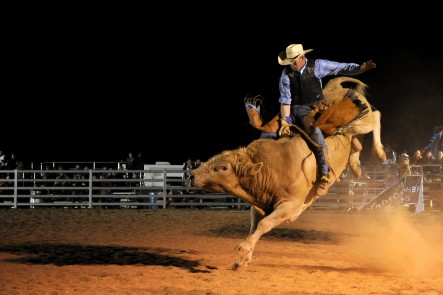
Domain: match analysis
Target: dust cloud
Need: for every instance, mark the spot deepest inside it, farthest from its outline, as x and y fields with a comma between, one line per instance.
x=402, y=243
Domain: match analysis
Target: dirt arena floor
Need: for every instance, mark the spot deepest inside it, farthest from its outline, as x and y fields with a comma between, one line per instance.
x=191, y=251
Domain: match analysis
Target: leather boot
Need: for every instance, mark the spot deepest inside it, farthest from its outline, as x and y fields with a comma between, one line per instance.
x=323, y=185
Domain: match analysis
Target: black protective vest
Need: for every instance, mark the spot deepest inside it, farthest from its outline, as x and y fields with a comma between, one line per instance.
x=305, y=88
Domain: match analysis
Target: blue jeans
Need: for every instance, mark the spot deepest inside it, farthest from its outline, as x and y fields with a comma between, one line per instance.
x=298, y=112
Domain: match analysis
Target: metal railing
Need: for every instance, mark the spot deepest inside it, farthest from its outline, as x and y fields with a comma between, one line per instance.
x=105, y=188
x=166, y=188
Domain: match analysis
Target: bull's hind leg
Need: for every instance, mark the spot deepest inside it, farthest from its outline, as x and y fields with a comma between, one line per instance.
x=354, y=158
x=253, y=111
x=288, y=211
x=254, y=116
x=377, y=146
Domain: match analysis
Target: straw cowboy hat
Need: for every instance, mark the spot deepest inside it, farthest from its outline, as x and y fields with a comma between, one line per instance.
x=288, y=56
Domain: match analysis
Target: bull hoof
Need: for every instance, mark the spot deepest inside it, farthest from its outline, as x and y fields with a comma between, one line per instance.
x=236, y=266
x=242, y=262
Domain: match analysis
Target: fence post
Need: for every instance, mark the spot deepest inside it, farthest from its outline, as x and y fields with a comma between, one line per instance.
x=15, y=188
x=90, y=189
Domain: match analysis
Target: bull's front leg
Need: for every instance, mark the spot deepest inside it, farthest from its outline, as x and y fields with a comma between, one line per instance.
x=284, y=212
x=257, y=215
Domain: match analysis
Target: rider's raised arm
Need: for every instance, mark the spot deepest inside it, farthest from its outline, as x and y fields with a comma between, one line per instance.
x=324, y=67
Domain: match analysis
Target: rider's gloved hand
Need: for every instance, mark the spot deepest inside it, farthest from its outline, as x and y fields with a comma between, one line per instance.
x=285, y=127
x=367, y=65
x=288, y=119
x=285, y=121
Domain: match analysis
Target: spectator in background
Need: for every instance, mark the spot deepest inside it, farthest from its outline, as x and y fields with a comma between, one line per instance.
x=76, y=176
x=61, y=181
x=188, y=166
x=197, y=163
x=45, y=183
x=391, y=171
x=2, y=160
x=391, y=155
x=435, y=141
x=77, y=167
x=139, y=162
x=417, y=158
x=439, y=159
x=11, y=164
x=431, y=171
x=404, y=165
x=429, y=158
x=21, y=175
x=85, y=183
x=130, y=162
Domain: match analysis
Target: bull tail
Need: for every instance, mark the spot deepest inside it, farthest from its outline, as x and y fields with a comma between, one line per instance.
x=340, y=83
x=362, y=107
x=342, y=113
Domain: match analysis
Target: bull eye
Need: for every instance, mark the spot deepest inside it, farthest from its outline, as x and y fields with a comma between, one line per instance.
x=224, y=168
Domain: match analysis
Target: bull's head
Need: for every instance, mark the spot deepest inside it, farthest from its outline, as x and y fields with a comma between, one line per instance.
x=223, y=172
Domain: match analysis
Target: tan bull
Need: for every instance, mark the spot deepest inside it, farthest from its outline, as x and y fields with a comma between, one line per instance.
x=275, y=176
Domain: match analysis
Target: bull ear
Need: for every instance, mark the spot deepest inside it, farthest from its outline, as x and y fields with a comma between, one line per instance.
x=253, y=169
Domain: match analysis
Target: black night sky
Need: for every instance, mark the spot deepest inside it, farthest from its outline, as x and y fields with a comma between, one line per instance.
x=95, y=90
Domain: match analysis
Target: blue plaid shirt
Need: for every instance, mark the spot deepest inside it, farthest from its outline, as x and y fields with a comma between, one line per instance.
x=323, y=68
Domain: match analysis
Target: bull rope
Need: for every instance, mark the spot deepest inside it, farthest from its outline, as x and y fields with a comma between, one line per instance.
x=286, y=131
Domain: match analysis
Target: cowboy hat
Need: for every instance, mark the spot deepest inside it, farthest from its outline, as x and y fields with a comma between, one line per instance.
x=288, y=56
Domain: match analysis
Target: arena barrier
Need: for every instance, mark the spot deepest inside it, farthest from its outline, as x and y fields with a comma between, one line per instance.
x=168, y=188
